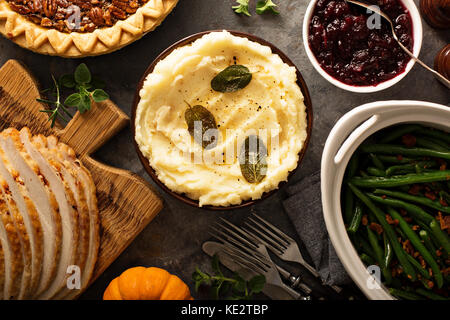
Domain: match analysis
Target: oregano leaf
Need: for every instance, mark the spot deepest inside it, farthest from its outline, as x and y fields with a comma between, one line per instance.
x=99, y=95
x=82, y=74
x=73, y=100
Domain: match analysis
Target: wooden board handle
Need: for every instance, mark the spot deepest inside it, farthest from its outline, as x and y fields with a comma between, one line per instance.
x=86, y=132
x=123, y=192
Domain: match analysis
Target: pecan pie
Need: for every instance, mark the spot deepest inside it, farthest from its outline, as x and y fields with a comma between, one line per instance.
x=78, y=28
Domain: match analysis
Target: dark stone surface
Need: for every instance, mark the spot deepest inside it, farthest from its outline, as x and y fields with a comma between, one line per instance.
x=173, y=240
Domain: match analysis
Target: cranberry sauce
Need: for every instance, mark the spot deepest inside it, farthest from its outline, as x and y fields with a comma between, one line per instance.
x=350, y=51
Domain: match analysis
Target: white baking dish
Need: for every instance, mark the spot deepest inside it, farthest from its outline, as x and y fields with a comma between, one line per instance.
x=348, y=133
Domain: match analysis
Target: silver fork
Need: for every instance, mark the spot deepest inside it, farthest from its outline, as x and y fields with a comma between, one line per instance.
x=252, y=256
x=279, y=243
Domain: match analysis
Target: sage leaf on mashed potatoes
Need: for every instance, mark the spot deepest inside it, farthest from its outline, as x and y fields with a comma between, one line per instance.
x=253, y=159
x=201, y=125
x=232, y=79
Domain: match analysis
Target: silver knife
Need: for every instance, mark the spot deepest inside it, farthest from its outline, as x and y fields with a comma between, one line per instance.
x=274, y=292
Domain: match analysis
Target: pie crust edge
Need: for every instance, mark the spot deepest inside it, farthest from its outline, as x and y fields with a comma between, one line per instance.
x=42, y=40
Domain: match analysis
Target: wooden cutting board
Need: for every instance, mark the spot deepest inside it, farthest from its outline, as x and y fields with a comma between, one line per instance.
x=126, y=202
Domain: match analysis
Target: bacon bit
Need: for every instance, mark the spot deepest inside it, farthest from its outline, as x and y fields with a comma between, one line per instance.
x=364, y=220
x=446, y=271
x=408, y=219
x=407, y=246
x=416, y=254
x=438, y=252
x=415, y=189
x=403, y=212
x=376, y=227
x=444, y=221
x=430, y=284
x=443, y=203
x=415, y=227
x=409, y=140
x=430, y=272
x=430, y=195
x=422, y=262
x=383, y=196
x=399, y=270
x=443, y=167
x=391, y=221
x=399, y=157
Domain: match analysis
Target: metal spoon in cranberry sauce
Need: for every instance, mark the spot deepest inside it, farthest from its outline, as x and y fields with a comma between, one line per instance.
x=350, y=51
x=440, y=77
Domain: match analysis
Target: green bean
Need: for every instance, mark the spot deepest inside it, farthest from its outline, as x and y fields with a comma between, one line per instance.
x=356, y=220
x=376, y=172
x=428, y=244
x=420, y=216
x=388, y=253
x=376, y=162
x=410, y=167
x=430, y=294
x=440, y=235
x=417, y=199
x=399, y=131
x=415, y=241
x=433, y=238
x=394, y=159
x=404, y=294
x=348, y=205
x=414, y=210
x=365, y=246
x=363, y=174
x=396, y=150
x=400, y=169
x=418, y=168
x=418, y=266
x=441, y=135
x=379, y=255
x=398, y=250
x=400, y=232
x=429, y=144
x=395, y=181
x=445, y=196
x=367, y=259
x=353, y=165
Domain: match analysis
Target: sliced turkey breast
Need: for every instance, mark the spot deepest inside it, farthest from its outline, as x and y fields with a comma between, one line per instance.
x=26, y=219
x=13, y=253
x=44, y=201
x=2, y=272
x=67, y=210
x=69, y=175
x=24, y=240
x=68, y=155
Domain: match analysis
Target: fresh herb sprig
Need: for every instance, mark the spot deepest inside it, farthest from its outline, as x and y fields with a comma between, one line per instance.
x=233, y=288
x=88, y=89
x=242, y=7
x=262, y=7
x=59, y=110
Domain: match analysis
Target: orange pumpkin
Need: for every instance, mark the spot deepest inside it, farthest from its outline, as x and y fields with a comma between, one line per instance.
x=141, y=283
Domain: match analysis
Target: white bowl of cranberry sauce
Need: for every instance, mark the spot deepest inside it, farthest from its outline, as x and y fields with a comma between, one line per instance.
x=349, y=49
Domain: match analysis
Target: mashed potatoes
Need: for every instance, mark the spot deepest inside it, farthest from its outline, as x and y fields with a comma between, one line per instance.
x=270, y=106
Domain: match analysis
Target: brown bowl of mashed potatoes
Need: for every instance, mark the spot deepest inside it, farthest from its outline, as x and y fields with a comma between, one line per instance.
x=221, y=119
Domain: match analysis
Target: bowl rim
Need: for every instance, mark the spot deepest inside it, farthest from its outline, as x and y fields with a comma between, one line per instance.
x=417, y=36
x=186, y=41
x=354, y=127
